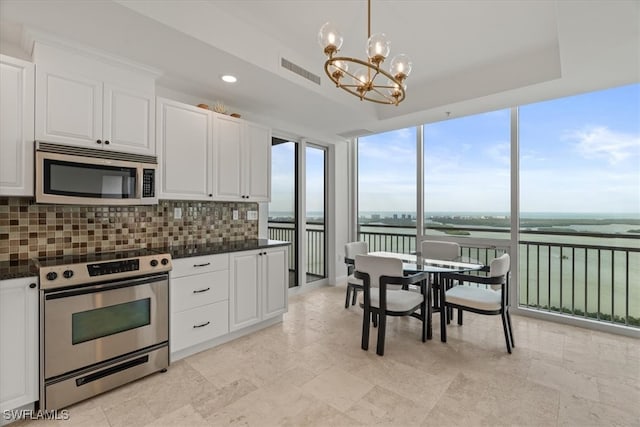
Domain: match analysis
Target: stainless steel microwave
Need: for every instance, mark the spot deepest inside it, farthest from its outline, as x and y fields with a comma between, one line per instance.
x=85, y=176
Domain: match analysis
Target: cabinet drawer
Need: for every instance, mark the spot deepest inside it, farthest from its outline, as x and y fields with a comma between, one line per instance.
x=200, y=324
x=199, y=289
x=199, y=264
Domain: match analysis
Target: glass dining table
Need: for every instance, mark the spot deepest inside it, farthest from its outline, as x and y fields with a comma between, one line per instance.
x=414, y=263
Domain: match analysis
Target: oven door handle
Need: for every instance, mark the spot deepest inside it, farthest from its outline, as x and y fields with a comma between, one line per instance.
x=202, y=325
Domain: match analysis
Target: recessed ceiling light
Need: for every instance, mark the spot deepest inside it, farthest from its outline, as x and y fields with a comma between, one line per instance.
x=229, y=78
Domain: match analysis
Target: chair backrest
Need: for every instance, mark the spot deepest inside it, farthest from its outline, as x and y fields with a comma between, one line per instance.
x=377, y=266
x=499, y=267
x=355, y=248
x=434, y=249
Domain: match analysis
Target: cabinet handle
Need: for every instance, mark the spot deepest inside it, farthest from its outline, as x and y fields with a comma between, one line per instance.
x=199, y=291
x=202, y=265
x=107, y=142
x=33, y=285
x=99, y=141
x=202, y=325
x=210, y=195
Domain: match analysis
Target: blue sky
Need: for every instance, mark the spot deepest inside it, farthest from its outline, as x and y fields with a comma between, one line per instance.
x=578, y=154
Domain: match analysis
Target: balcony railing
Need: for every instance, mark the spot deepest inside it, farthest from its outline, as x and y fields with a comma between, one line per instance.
x=592, y=281
x=599, y=282
x=315, y=263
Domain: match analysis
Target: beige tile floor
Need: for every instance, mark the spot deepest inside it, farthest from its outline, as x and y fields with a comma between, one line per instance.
x=310, y=370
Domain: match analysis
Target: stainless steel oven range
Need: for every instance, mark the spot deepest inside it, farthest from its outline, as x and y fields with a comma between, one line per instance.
x=104, y=322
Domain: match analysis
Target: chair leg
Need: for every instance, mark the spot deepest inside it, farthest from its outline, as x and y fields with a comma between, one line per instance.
x=423, y=313
x=429, y=315
x=355, y=296
x=366, y=319
x=506, y=331
x=374, y=319
x=346, y=301
x=443, y=317
x=460, y=316
x=513, y=343
x=382, y=326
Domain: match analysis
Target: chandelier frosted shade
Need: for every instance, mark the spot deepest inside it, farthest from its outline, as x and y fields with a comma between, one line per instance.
x=370, y=81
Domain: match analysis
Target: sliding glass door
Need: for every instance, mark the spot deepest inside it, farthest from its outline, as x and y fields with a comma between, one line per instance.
x=315, y=196
x=283, y=212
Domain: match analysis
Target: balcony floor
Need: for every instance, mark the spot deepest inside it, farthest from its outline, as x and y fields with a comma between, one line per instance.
x=310, y=370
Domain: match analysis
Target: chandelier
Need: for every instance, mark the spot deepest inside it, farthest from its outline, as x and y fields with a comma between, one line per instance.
x=368, y=80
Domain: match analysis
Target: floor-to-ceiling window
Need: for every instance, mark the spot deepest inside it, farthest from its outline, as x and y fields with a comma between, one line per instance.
x=316, y=199
x=580, y=205
x=577, y=205
x=467, y=178
x=387, y=190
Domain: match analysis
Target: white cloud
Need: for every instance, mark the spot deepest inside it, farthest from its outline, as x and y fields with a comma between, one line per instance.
x=601, y=142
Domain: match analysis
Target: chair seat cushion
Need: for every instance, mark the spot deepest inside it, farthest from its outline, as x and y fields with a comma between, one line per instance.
x=474, y=297
x=399, y=301
x=352, y=280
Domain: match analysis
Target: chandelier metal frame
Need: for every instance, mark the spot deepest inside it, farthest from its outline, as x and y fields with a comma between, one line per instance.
x=392, y=92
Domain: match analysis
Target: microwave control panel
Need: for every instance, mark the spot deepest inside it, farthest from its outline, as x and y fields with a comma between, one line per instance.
x=148, y=183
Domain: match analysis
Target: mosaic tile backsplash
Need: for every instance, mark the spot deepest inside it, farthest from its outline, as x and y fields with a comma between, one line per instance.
x=29, y=230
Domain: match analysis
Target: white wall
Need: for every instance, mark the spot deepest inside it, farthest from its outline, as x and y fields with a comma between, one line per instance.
x=341, y=204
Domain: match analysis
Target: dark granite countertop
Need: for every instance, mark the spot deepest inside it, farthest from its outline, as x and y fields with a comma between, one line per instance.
x=17, y=269
x=220, y=248
x=28, y=268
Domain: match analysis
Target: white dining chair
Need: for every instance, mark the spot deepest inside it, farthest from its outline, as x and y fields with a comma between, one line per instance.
x=383, y=295
x=480, y=294
x=353, y=284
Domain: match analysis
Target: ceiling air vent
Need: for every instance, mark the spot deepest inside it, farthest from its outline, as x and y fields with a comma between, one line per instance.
x=355, y=133
x=285, y=63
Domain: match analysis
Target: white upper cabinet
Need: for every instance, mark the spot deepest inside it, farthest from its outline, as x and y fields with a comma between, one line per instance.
x=209, y=156
x=228, y=157
x=16, y=127
x=128, y=121
x=83, y=101
x=184, y=151
x=242, y=160
x=258, y=141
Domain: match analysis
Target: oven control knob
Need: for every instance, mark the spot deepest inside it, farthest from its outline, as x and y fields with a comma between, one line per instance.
x=68, y=274
x=154, y=262
x=52, y=275
x=164, y=261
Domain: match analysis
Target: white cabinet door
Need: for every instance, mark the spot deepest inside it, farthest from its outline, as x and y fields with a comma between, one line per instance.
x=228, y=159
x=258, y=164
x=16, y=127
x=128, y=120
x=244, y=298
x=275, y=285
x=184, y=134
x=68, y=108
x=19, y=343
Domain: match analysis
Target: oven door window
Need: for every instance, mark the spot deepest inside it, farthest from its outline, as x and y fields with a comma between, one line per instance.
x=87, y=180
x=101, y=322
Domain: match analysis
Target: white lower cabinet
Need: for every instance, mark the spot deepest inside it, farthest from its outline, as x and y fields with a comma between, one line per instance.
x=259, y=286
x=18, y=342
x=216, y=298
x=199, y=300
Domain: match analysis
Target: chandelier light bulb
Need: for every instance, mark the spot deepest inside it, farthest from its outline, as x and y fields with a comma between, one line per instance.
x=330, y=39
x=401, y=66
x=378, y=48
